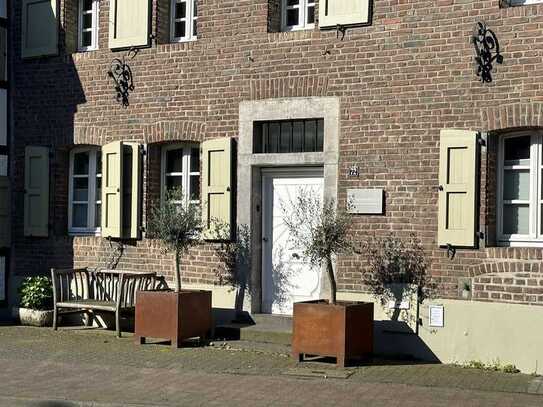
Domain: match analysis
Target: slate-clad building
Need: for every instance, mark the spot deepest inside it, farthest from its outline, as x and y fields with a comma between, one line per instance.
x=242, y=103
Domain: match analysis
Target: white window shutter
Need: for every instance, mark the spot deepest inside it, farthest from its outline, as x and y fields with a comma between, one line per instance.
x=36, y=202
x=216, y=184
x=129, y=23
x=344, y=12
x=457, y=188
x=112, y=198
x=131, y=186
x=39, y=28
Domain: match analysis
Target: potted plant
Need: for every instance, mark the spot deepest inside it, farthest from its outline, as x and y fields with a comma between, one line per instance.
x=343, y=330
x=36, y=302
x=179, y=314
x=398, y=277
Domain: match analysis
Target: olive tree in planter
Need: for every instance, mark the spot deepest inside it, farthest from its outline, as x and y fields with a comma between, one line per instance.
x=397, y=276
x=326, y=327
x=36, y=302
x=178, y=314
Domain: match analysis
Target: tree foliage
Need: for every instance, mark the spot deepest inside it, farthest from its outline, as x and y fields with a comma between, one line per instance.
x=177, y=224
x=319, y=229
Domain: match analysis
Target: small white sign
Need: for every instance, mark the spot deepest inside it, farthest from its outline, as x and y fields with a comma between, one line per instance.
x=398, y=304
x=436, y=316
x=365, y=201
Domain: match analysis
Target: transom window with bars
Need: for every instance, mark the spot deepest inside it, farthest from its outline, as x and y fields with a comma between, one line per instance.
x=297, y=14
x=88, y=25
x=289, y=136
x=85, y=189
x=184, y=17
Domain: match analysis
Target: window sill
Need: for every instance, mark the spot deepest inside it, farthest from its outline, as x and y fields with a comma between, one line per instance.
x=521, y=243
x=84, y=233
x=292, y=35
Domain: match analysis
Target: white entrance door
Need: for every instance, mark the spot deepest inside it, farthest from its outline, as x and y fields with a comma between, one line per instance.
x=286, y=276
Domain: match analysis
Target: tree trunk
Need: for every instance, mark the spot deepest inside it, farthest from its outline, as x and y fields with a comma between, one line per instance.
x=332, y=279
x=177, y=271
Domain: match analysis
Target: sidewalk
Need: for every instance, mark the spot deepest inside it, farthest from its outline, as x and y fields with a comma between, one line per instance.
x=91, y=366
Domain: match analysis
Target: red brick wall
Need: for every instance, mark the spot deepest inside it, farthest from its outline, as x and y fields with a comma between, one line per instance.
x=399, y=82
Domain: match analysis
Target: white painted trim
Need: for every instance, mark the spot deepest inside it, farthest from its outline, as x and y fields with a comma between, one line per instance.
x=189, y=20
x=94, y=28
x=535, y=236
x=91, y=198
x=186, y=173
x=302, y=7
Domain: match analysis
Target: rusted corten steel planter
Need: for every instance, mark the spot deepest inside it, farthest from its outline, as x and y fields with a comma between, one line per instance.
x=343, y=331
x=174, y=316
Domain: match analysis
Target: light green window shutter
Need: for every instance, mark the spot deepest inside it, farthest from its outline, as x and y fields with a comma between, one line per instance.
x=129, y=23
x=36, y=197
x=112, y=198
x=131, y=186
x=5, y=224
x=216, y=183
x=343, y=12
x=457, y=193
x=39, y=28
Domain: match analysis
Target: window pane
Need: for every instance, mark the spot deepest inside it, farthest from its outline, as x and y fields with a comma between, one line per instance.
x=517, y=150
x=292, y=2
x=286, y=128
x=297, y=136
x=81, y=163
x=274, y=132
x=174, y=182
x=86, y=40
x=310, y=135
x=320, y=135
x=98, y=216
x=3, y=54
x=311, y=15
x=87, y=5
x=98, y=188
x=81, y=189
x=516, y=219
x=293, y=17
x=98, y=162
x=195, y=8
x=79, y=216
x=194, y=160
x=195, y=187
x=181, y=10
x=194, y=28
x=87, y=21
x=180, y=29
x=174, y=160
x=516, y=185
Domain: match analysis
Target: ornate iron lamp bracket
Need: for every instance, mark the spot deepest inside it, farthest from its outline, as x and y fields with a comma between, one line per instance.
x=487, y=50
x=122, y=76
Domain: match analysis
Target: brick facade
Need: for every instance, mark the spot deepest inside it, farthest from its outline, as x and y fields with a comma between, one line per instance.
x=399, y=82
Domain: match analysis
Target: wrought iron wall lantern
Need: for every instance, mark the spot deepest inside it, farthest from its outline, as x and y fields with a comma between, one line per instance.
x=487, y=51
x=122, y=76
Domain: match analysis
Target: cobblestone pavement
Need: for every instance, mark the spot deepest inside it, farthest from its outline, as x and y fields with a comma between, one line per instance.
x=41, y=367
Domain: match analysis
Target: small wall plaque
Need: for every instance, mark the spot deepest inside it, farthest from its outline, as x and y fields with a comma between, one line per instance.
x=365, y=201
x=436, y=316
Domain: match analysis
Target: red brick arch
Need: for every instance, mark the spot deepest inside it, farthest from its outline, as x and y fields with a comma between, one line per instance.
x=512, y=116
x=163, y=131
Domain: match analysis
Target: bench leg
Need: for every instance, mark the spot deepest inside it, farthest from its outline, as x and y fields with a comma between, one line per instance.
x=118, y=323
x=55, y=314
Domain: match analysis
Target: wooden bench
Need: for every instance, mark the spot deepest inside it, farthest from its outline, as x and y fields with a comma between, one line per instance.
x=88, y=290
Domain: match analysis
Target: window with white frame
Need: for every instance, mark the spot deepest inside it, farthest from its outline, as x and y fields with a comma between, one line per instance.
x=181, y=170
x=520, y=2
x=184, y=17
x=297, y=14
x=520, y=189
x=88, y=25
x=85, y=191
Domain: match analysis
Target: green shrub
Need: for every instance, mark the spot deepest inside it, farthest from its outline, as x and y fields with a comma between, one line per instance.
x=36, y=293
